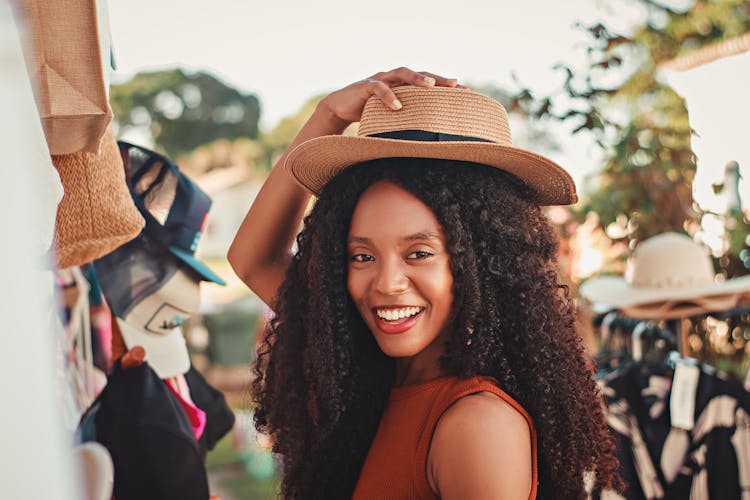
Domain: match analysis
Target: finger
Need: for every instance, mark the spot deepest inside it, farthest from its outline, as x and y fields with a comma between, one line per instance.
x=133, y=358
x=405, y=75
x=442, y=81
x=383, y=92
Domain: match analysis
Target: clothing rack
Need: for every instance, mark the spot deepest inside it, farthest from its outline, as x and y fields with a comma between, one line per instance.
x=730, y=313
x=678, y=328
x=624, y=339
x=669, y=416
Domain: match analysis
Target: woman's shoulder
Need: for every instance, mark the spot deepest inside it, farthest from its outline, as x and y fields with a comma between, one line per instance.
x=483, y=413
x=482, y=443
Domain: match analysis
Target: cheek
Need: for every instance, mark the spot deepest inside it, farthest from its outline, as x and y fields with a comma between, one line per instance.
x=439, y=285
x=355, y=284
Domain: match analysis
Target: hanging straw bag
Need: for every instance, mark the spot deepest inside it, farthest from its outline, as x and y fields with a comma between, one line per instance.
x=96, y=214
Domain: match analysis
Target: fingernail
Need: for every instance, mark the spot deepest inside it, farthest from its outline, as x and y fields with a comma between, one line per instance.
x=428, y=79
x=397, y=104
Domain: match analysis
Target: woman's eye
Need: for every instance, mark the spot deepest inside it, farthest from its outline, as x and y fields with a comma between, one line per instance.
x=419, y=254
x=362, y=257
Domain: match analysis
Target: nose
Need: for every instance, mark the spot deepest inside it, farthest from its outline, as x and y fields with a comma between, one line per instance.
x=391, y=278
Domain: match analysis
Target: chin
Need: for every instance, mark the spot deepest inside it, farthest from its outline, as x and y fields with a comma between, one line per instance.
x=397, y=347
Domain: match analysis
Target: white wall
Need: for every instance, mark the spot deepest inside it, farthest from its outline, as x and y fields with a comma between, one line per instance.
x=35, y=452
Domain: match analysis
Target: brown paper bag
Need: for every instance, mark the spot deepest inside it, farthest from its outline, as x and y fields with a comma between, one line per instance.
x=64, y=59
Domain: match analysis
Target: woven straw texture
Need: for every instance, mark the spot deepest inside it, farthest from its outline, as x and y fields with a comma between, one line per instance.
x=438, y=109
x=96, y=214
x=457, y=111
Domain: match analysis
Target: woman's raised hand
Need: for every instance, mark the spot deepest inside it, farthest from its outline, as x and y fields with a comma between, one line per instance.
x=261, y=251
x=346, y=104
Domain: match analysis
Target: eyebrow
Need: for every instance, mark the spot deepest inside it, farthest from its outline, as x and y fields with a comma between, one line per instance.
x=411, y=237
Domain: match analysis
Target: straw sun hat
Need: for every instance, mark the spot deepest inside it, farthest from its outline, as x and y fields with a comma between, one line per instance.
x=667, y=274
x=437, y=122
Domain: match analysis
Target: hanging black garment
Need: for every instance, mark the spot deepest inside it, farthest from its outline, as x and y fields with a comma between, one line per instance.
x=141, y=423
x=711, y=461
x=219, y=417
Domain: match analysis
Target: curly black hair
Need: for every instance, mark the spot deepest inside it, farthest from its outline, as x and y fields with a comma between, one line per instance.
x=322, y=381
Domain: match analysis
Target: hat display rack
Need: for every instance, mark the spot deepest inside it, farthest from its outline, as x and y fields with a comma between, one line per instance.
x=152, y=286
x=100, y=214
x=669, y=280
x=665, y=402
x=623, y=338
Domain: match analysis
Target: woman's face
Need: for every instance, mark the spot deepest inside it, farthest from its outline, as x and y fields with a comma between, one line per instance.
x=399, y=272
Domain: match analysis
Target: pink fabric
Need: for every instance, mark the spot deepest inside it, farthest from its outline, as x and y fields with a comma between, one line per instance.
x=197, y=417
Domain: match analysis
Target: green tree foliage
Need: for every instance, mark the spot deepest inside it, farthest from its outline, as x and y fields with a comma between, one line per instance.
x=282, y=135
x=640, y=123
x=527, y=133
x=225, y=153
x=183, y=111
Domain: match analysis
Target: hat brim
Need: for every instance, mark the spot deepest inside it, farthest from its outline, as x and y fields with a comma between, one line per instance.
x=166, y=353
x=671, y=309
x=199, y=267
x=315, y=162
x=615, y=292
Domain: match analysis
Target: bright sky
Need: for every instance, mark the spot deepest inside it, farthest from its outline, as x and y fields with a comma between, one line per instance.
x=289, y=50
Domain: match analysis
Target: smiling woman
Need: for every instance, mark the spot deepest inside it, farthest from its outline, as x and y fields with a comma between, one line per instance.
x=422, y=346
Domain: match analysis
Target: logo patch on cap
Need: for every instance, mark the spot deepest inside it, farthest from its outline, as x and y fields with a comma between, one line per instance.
x=198, y=235
x=166, y=319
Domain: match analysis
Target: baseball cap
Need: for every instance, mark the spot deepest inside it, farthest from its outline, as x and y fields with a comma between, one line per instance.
x=152, y=294
x=175, y=209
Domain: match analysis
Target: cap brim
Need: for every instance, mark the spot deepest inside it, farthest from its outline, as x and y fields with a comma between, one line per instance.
x=196, y=265
x=315, y=162
x=167, y=353
x=615, y=292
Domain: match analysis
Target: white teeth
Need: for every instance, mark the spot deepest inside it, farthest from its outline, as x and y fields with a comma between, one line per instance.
x=394, y=314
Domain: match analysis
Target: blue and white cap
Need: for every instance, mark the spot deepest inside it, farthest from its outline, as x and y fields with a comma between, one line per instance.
x=175, y=209
x=152, y=295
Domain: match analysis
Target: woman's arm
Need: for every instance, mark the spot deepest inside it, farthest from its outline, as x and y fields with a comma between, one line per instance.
x=481, y=448
x=261, y=250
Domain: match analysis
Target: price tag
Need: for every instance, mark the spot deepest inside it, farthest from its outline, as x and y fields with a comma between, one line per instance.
x=682, y=400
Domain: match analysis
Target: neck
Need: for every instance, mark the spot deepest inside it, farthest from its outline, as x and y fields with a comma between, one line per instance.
x=423, y=366
x=409, y=371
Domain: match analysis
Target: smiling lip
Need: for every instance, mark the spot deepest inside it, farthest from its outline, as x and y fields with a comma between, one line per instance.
x=396, y=328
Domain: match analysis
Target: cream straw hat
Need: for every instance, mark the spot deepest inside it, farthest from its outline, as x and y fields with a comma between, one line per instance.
x=666, y=271
x=436, y=122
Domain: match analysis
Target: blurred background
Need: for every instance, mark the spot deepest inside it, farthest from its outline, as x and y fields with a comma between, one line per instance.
x=602, y=87
x=643, y=101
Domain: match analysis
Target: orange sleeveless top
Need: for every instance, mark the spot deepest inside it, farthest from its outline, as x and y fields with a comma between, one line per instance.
x=395, y=467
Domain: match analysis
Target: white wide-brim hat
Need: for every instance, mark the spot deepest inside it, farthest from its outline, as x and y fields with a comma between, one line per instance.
x=667, y=267
x=435, y=122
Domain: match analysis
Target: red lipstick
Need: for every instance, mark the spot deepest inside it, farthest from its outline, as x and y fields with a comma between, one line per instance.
x=396, y=328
